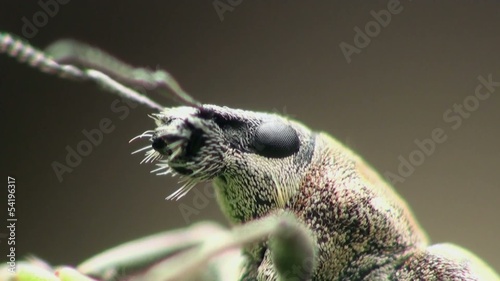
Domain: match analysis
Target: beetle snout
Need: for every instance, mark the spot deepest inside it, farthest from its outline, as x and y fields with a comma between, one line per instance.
x=160, y=145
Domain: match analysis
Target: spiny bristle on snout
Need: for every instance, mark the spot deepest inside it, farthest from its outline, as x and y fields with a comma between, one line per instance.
x=170, y=146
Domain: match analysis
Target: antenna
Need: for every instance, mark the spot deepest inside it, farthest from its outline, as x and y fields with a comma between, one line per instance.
x=71, y=59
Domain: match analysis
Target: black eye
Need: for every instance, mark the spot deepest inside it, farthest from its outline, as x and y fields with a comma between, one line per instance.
x=275, y=139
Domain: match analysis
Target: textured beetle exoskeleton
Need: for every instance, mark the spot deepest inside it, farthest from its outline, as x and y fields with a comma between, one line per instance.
x=304, y=206
x=263, y=163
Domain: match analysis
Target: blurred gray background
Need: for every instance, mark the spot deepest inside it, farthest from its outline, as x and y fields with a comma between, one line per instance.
x=279, y=56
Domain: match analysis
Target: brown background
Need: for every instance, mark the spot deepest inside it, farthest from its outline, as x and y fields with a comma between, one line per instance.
x=282, y=56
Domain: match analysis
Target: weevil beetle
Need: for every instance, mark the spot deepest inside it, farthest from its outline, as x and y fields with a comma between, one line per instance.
x=304, y=206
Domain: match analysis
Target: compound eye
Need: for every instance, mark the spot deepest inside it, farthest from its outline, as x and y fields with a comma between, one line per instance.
x=275, y=139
